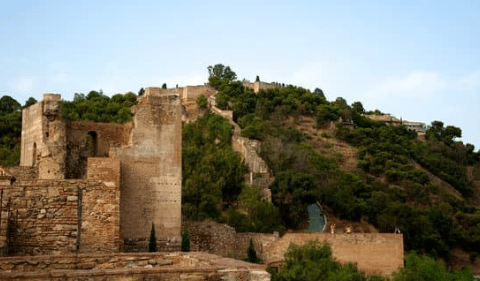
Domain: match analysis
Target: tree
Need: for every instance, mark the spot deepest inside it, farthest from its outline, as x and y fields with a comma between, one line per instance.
x=185, y=241
x=29, y=102
x=141, y=91
x=202, y=102
x=164, y=85
x=314, y=261
x=220, y=75
x=257, y=79
x=426, y=268
x=9, y=104
x=358, y=107
x=152, y=245
x=319, y=92
x=251, y=253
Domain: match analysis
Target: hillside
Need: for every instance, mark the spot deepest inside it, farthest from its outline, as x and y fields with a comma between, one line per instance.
x=364, y=173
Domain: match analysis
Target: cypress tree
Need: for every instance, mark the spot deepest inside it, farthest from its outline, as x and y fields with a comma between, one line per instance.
x=152, y=245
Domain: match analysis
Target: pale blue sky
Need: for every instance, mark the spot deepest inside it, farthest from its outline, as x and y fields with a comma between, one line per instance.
x=419, y=60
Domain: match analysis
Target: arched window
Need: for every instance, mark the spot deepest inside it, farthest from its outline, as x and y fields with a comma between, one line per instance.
x=91, y=144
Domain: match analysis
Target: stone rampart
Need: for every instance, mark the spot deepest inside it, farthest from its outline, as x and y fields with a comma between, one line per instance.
x=249, y=150
x=372, y=252
x=258, y=85
x=144, y=266
x=191, y=93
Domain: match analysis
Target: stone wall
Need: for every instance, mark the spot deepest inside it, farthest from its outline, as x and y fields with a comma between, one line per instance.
x=191, y=93
x=100, y=213
x=103, y=136
x=145, y=266
x=249, y=150
x=372, y=252
x=22, y=173
x=152, y=171
x=257, y=86
x=47, y=215
x=211, y=237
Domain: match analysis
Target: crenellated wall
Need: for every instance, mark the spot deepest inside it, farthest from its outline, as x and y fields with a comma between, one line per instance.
x=248, y=149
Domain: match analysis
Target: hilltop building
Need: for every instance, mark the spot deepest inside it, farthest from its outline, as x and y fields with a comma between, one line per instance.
x=390, y=120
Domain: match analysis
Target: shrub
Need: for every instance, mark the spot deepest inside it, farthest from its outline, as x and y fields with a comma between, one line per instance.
x=152, y=245
x=185, y=241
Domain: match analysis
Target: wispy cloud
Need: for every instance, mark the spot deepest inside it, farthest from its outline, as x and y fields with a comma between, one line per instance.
x=418, y=84
x=25, y=84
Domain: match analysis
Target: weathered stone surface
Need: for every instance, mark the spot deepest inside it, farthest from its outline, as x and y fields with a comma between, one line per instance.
x=182, y=266
x=372, y=252
x=133, y=169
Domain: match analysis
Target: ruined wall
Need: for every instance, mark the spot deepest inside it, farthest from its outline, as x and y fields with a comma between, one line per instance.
x=191, y=93
x=23, y=173
x=102, y=135
x=32, y=134
x=152, y=171
x=44, y=138
x=145, y=266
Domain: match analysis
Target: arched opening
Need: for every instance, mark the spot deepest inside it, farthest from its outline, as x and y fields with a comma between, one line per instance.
x=91, y=144
x=34, y=153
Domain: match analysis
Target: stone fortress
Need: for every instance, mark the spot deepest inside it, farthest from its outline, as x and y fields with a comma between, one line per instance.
x=112, y=181
x=87, y=194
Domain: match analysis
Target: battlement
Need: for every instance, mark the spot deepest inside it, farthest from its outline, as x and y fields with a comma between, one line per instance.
x=52, y=97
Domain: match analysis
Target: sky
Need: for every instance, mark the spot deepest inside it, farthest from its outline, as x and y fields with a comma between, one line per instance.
x=418, y=60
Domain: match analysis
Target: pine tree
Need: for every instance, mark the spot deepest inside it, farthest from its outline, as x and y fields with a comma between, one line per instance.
x=152, y=245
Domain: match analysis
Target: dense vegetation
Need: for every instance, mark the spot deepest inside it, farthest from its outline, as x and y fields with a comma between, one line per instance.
x=391, y=187
x=97, y=107
x=214, y=179
x=314, y=261
x=11, y=129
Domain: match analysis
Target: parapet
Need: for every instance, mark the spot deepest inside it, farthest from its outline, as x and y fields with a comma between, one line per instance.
x=156, y=91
